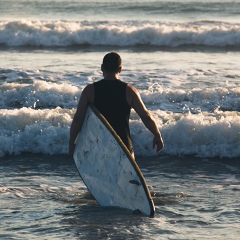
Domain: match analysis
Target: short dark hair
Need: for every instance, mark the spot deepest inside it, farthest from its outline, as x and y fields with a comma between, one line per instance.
x=111, y=62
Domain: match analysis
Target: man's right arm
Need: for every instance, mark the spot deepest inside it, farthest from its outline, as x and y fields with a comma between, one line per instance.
x=87, y=97
x=135, y=101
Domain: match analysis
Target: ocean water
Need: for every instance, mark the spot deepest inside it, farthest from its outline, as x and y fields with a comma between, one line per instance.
x=182, y=56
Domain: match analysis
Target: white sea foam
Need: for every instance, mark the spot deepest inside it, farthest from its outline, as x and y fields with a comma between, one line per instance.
x=205, y=135
x=37, y=131
x=196, y=108
x=47, y=131
x=123, y=33
x=46, y=91
x=38, y=94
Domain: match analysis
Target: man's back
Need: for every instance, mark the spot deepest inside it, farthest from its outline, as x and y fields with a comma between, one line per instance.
x=110, y=100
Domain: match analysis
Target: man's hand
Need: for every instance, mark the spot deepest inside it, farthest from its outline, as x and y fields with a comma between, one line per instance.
x=157, y=141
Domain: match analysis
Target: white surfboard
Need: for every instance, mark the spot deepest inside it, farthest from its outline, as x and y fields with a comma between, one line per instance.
x=108, y=169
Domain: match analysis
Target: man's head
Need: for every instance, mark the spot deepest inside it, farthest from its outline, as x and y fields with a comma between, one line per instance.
x=112, y=62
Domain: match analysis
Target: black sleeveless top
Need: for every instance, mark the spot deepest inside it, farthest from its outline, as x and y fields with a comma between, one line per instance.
x=110, y=100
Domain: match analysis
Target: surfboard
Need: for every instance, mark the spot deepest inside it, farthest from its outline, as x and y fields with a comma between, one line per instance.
x=107, y=167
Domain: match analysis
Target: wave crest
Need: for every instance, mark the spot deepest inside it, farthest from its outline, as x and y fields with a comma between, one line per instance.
x=127, y=33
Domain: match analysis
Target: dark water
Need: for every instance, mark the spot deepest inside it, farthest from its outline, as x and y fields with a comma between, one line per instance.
x=42, y=197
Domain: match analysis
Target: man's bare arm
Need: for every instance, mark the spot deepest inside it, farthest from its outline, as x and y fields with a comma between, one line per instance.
x=134, y=100
x=86, y=98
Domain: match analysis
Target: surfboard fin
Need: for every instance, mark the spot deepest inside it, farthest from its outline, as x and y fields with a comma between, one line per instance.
x=135, y=182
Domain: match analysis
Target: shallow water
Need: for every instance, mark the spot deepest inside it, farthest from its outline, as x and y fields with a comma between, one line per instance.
x=43, y=197
x=183, y=56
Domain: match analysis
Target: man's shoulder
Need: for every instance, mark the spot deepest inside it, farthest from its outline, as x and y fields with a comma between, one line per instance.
x=89, y=88
x=132, y=95
x=131, y=89
x=88, y=92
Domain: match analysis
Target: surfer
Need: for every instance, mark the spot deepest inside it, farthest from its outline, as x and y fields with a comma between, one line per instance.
x=114, y=99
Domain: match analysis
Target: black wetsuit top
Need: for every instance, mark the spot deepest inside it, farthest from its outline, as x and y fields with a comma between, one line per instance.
x=110, y=100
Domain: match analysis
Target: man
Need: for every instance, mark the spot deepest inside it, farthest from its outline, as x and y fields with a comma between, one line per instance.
x=114, y=99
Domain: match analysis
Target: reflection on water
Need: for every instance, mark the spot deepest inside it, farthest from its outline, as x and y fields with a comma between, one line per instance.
x=43, y=197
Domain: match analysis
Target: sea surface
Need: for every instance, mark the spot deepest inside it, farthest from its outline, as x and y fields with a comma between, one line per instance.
x=182, y=56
